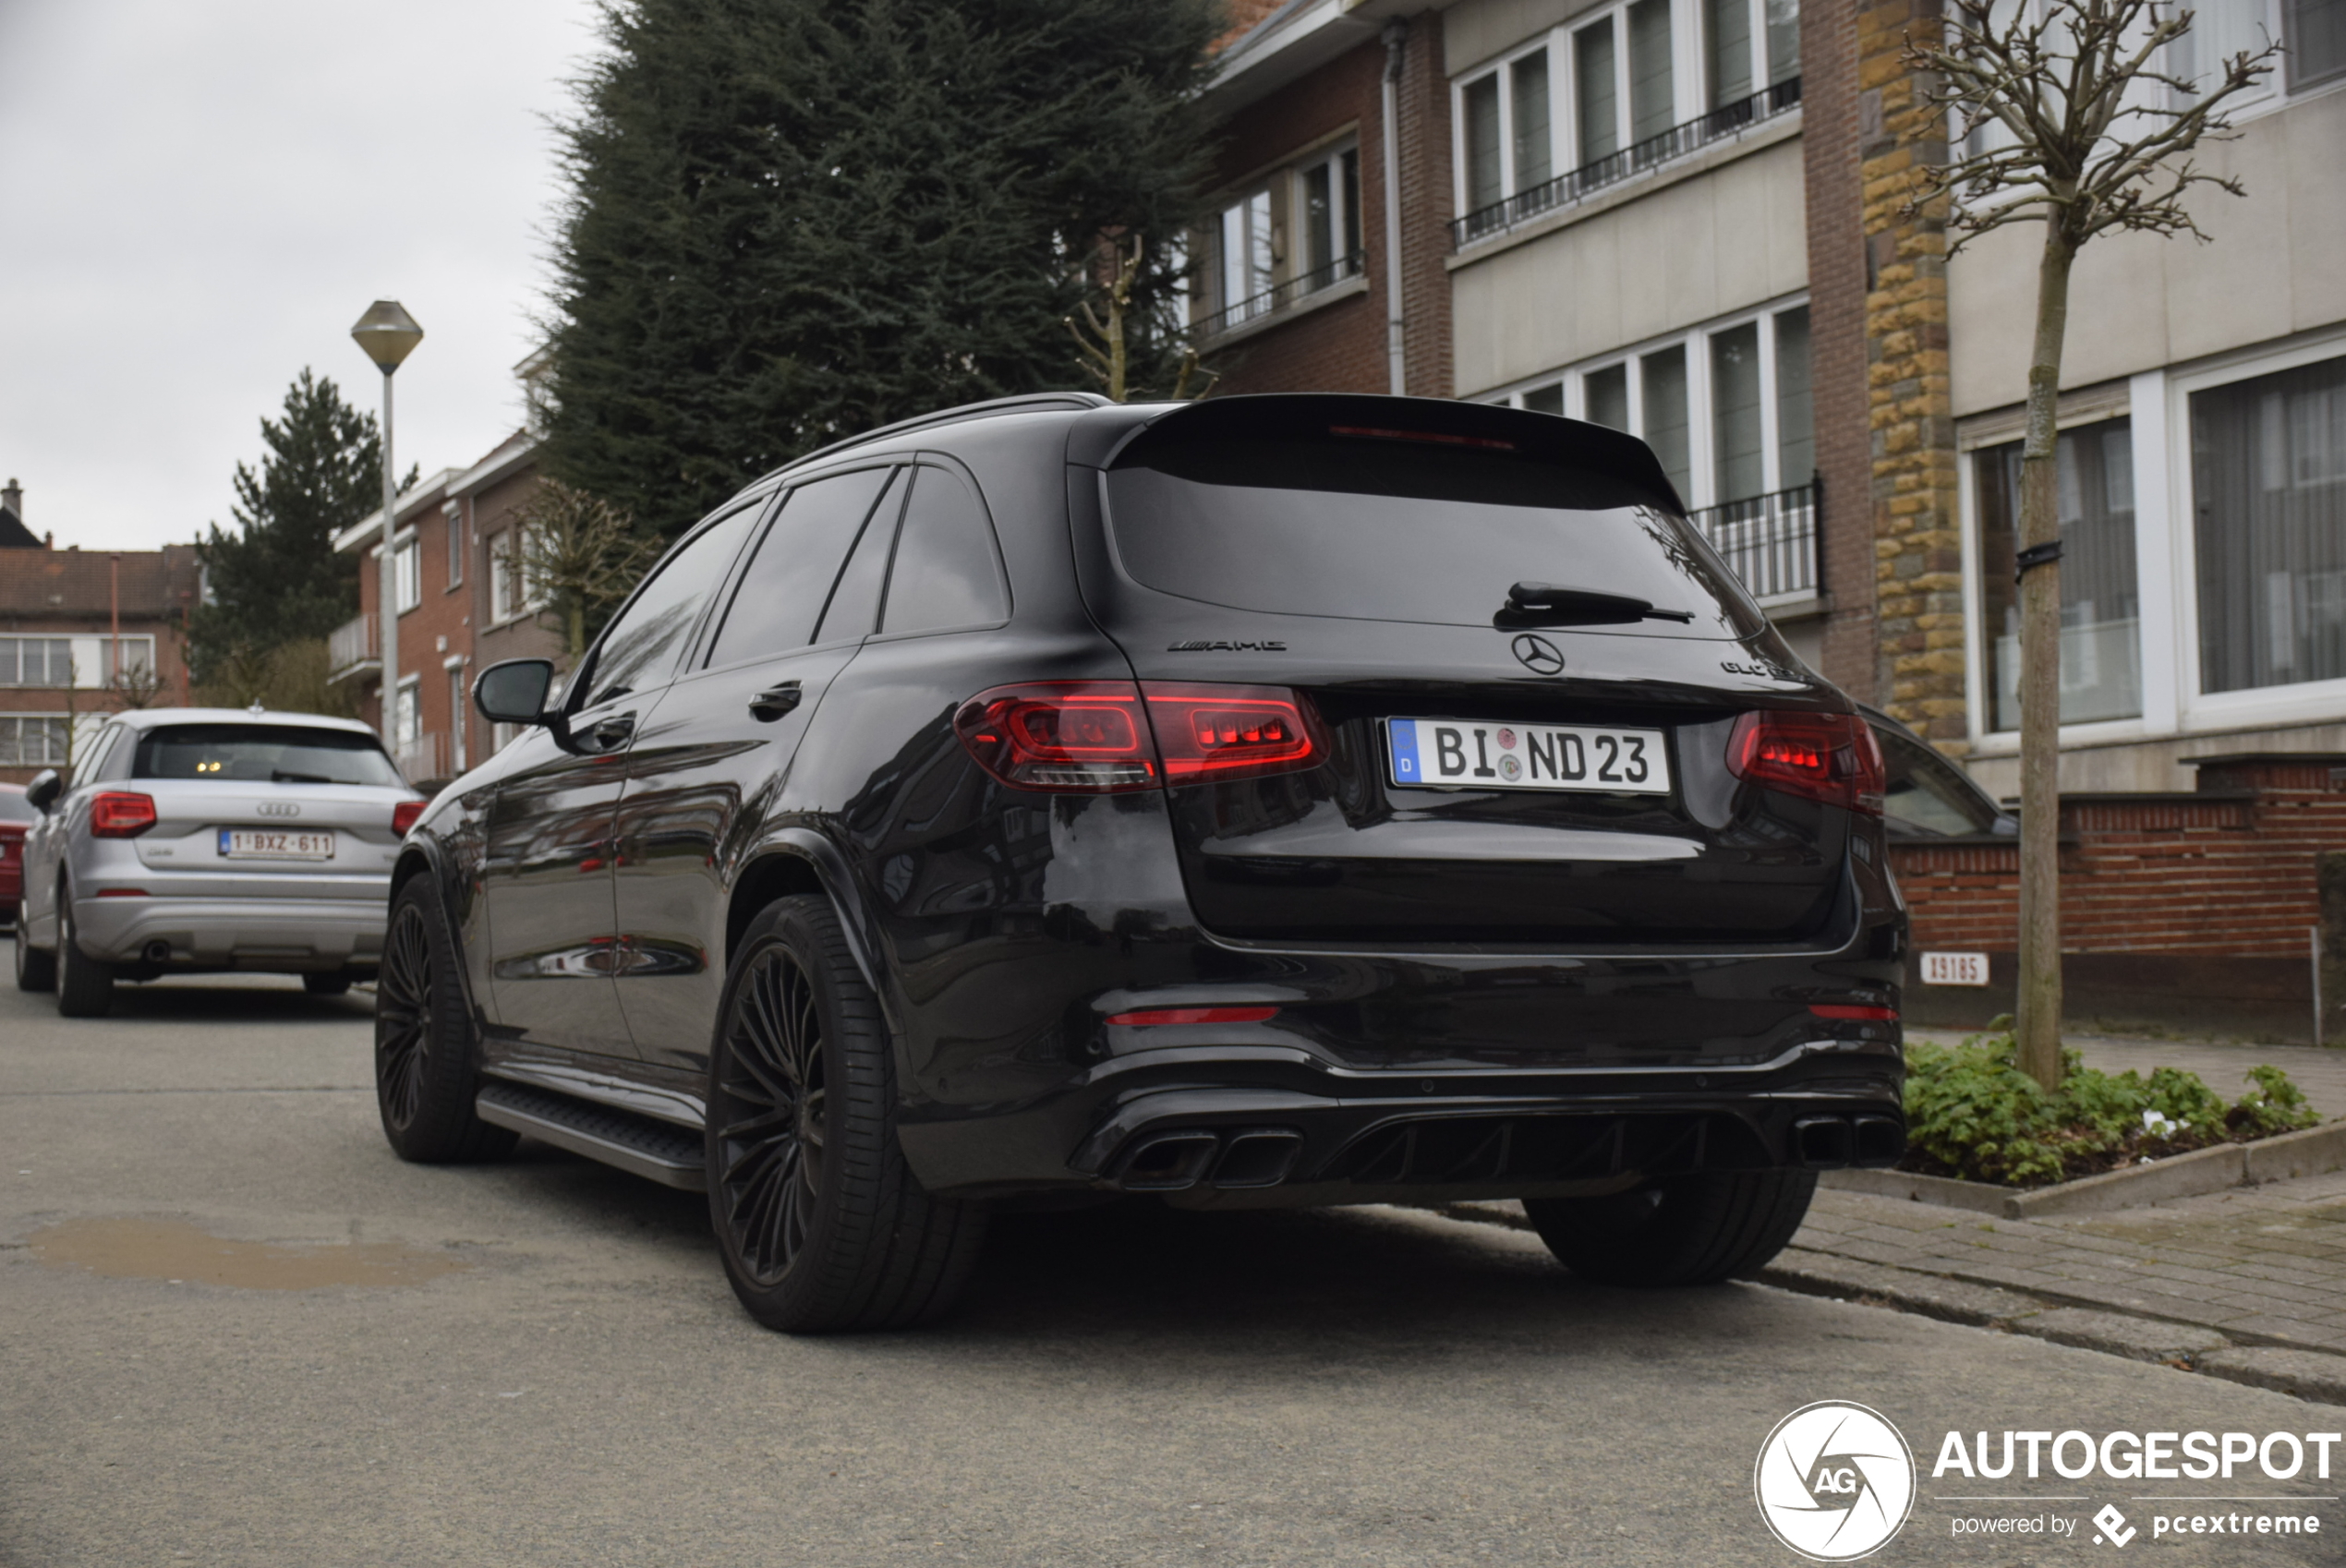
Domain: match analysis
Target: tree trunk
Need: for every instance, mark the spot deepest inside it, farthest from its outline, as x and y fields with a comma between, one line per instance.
x=2038, y=1030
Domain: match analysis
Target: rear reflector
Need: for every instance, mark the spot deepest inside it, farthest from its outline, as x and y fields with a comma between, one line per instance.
x=122, y=892
x=1108, y=737
x=1192, y=1015
x=1824, y=756
x=403, y=815
x=1868, y=1015
x=120, y=813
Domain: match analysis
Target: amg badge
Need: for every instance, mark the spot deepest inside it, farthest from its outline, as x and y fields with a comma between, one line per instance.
x=1200, y=644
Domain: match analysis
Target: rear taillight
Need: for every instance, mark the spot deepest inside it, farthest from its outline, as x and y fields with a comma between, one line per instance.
x=1106, y=737
x=1853, y=1013
x=1215, y=732
x=120, y=813
x=403, y=815
x=1158, y=1017
x=1825, y=757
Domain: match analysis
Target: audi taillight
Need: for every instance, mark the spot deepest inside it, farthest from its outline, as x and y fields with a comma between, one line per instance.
x=1826, y=756
x=1106, y=737
x=403, y=815
x=121, y=813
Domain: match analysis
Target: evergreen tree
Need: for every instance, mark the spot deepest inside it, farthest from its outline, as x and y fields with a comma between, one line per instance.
x=276, y=579
x=790, y=220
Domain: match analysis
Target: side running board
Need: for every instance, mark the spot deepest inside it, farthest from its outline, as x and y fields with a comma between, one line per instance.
x=638, y=1145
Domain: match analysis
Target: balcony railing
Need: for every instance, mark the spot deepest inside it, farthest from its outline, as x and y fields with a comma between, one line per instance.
x=351, y=645
x=1771, y=541
x=1283, y=296
x=1725, y=121
x=425, y=758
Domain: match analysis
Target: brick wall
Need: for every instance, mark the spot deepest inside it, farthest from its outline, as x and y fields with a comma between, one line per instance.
x=1427, y=206
x=1837, y=336
x=2211, y=893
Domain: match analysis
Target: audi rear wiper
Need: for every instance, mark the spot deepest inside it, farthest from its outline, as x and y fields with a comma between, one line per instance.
x=1547, y=604
x=279, y=776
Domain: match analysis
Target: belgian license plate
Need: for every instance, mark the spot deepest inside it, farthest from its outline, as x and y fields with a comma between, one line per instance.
x=1478, y=754
x=261, y=844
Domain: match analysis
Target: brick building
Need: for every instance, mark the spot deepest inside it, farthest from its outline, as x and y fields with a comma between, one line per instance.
x=462, y=603
x=83, y=634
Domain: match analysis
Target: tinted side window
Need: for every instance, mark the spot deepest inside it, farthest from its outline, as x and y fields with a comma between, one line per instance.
x=947, y=573
x=854, y=606
x=782, y=593
x=641, y=647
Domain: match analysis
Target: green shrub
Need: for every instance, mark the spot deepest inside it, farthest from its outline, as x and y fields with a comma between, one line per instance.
x=1972, y=1113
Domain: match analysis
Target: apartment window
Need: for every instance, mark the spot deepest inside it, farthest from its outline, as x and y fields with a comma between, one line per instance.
x=2268, y=496
x=1750, y=44
x=503, y=605
x=407, y=717
x=1329, y=195
x=1596, y=74
x=1653, y=91
x=454, y=512
x=2100, y=597
x=36, y=661
x=456, y=712
x=407, y=574
x=1246, y=254
x=1509, y=138
x=2316, y=42
x=1726, y=409
x=129, y=654
x=33, y=740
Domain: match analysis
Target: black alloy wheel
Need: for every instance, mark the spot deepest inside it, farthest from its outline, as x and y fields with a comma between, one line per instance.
x=424, y=1074
x=771, y=1142
x=819, y=1221
x=36, y=967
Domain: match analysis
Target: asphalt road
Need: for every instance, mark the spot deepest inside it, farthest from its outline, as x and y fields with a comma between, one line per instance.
x=234, y=1328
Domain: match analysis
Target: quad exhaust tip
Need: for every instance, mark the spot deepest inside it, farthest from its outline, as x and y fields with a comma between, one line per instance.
x=1834, y=1143
x=1170, y=1162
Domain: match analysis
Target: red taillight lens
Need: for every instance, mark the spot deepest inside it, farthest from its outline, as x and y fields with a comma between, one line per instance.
x=1070, y=735
x=1192, y=1015
x=1104, y=737
x=121, y=814
x=1825, y=757
x=1856, y=1014
x=403, y=815
x=1216, y=732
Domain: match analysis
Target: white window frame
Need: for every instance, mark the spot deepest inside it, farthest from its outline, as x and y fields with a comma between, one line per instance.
x=1340, y=213
x=408, y=572
x=408, y=711
x=18, y=684
x=2166, y=568
x=454, y=515
x=138, y=649
x=1701, y=417
x=1557, y=42
x=458, y=695
x=56, y=760
x=1241, y=214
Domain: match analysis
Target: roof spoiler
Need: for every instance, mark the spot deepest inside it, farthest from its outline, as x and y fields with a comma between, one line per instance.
x=1101, y=437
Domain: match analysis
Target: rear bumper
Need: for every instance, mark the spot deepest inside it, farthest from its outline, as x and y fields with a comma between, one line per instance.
x=1276, y=1128
x=284, y=935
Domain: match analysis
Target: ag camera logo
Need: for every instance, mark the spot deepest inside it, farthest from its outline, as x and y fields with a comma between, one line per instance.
x=1834, y=1481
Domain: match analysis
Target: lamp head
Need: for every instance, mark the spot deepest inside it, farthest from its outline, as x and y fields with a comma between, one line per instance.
x=388, y=334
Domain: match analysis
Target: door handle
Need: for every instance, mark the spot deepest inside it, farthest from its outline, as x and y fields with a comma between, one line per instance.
x=774, y=701
x=609, y=734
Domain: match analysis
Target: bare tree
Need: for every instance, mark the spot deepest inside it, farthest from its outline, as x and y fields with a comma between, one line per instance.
x=579, y=556
x=1100, y=336
x=2063, y=115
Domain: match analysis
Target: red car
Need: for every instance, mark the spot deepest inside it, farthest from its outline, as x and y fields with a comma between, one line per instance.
x=15, y=817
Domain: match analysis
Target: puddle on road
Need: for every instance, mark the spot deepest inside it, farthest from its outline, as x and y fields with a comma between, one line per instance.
x=179, y=1253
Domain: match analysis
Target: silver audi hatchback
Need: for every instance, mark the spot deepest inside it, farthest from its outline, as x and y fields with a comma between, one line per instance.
x=196, y=839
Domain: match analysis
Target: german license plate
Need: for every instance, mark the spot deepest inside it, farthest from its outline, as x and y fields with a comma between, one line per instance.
x=261, y=844
x=1478, y=755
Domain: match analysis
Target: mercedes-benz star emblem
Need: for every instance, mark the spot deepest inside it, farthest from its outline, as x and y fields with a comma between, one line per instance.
x=1538, y=655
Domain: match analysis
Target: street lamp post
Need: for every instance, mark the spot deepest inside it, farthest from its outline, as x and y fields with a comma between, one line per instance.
x=389, y=336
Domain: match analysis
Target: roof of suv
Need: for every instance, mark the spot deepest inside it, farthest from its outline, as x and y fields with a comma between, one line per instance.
x=148, y=718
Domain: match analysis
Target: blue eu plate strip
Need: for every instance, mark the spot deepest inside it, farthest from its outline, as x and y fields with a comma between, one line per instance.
x=1404, y=733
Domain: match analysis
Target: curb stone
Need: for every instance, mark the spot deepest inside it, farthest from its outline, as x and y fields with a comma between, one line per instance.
x=2138, y=1339
x=1953, y=1301
x=2308, y=1374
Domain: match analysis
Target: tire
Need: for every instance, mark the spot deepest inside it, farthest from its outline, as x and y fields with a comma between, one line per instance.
x=820, y=1223
x=425, y=1076
x=85, y=985
x=330, y=984
x=1682, y=1230
x=36, y=967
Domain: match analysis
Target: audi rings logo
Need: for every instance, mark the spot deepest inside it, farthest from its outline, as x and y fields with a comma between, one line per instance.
x=1834, y=1481
x=279, y=808
x=1538, y=655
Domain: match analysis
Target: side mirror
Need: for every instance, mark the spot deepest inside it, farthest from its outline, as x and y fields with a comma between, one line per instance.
x=43, y=792
x=515, y=691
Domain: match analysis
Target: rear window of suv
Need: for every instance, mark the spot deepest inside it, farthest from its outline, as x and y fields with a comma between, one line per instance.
x=1375, y=529
x=263, y=753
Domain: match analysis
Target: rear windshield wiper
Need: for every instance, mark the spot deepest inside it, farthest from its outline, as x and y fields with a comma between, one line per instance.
x=279, y=776
x=1547, y=604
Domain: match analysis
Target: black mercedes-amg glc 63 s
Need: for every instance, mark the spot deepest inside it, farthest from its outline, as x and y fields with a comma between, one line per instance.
x=1268, y=800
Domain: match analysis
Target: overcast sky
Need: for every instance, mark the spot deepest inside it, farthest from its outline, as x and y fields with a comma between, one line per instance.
x=197, y=197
